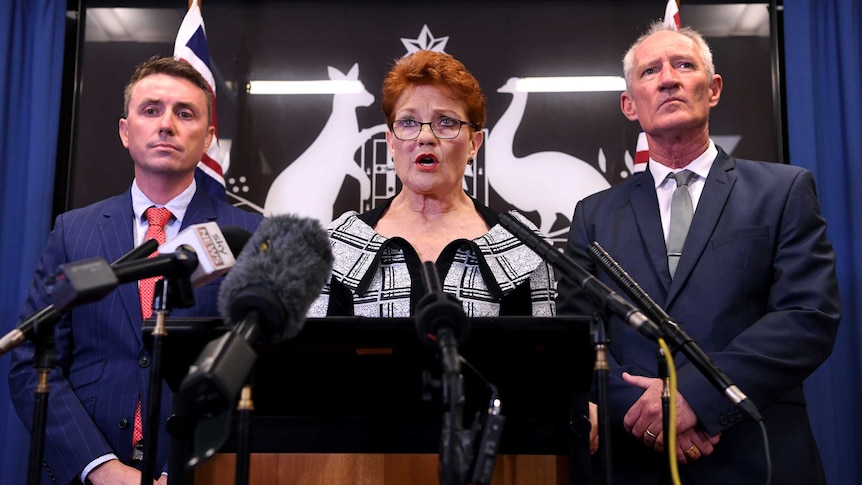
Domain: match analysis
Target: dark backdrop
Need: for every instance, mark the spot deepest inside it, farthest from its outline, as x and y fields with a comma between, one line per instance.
x=496, y=41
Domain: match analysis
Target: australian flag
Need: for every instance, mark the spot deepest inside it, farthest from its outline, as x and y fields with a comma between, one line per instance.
x=191, y=46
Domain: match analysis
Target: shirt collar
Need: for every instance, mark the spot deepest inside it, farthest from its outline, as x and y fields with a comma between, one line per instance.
x=177, y=205
x=700, y=165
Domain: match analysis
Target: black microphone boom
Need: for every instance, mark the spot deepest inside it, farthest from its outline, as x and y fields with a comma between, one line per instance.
x=673, y=333
x=600, y=293
x=50, y=315
x=92, y=279
x=197, y=255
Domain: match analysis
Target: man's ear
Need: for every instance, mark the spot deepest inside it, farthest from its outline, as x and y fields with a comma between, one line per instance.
x=627, y=106
x=715, y=90
x=123, y=129
x=209, y=138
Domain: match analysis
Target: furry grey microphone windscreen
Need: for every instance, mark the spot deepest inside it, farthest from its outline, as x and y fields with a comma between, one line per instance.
x=278, y=274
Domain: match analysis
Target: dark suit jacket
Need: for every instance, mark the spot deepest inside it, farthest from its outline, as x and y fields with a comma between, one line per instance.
x=102, y=365
x=755, y=288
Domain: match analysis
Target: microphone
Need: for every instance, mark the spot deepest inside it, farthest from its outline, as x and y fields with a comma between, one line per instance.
x=438, y=310
x=441, y=319
x=600, y=293
x=673, y=333
x=200, y=253
x=277, y=276
x=213, y=248
x=50, y=315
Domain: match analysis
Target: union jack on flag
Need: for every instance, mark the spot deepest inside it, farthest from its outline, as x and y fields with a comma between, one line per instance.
x=191, y=46
x=671, y=19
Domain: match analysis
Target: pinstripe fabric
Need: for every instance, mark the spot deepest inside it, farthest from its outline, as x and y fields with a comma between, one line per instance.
x=482, y=272
x=97, y=379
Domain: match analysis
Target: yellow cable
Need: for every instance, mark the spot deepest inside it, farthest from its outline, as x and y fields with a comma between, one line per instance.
x=670, y=433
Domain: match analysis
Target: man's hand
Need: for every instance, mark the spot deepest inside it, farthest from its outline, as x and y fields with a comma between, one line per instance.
x=594, y=428
x=113, y=472
x=644, y=419
x=695, y=444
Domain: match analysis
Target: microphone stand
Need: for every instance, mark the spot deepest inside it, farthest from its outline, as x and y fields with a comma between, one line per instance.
x=441, y=319
x=44, y=359
x=598, y=330
x=245, y=406
x=165, y=297
x=451, y=453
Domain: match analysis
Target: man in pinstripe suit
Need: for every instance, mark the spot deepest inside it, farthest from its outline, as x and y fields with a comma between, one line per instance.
x=102, y=365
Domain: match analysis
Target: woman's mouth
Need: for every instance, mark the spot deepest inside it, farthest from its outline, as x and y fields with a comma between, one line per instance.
x=426, y=161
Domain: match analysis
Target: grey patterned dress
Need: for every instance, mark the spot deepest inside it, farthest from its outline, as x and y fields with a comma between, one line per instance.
x=375, y=276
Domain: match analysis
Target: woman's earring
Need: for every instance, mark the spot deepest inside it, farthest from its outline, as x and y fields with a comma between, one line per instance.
x=390, y=164
x=470, y=161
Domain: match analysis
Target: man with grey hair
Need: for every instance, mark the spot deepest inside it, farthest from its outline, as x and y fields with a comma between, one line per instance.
x=733, y=250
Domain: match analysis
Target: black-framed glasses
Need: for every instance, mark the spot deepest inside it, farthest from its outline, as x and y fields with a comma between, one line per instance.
x=444, y=128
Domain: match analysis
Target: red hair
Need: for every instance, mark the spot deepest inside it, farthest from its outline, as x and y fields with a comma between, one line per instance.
x=439, y=69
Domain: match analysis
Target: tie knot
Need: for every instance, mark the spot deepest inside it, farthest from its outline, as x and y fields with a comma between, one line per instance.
x=158, y=216
x=683, y=177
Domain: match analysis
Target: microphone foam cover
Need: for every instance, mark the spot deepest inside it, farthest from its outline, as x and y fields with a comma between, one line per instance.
x=278, y=274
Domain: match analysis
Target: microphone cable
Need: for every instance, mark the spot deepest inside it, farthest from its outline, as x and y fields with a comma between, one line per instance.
x=669, y=396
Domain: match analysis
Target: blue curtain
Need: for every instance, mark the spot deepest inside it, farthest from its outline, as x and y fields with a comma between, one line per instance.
x=31, y=38
x=823, y=54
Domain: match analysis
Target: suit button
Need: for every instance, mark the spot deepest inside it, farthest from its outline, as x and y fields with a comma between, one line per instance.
x=144, y=361
x=723, y=420
x=123, y=423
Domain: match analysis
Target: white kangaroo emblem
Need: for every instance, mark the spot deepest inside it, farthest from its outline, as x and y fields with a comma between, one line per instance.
x=310, y=185
x=549, y=183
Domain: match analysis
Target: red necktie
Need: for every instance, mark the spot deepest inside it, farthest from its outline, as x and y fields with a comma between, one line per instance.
x=157, y=217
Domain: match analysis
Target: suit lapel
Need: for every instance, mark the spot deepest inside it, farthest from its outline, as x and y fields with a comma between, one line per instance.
x=200, y=210
x=117, y=233
x=713, y=199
